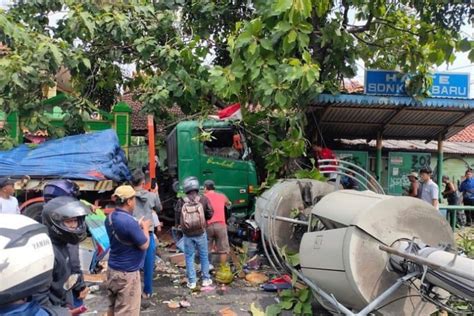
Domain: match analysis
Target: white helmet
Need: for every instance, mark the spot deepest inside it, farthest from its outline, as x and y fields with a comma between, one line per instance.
x=26, y=257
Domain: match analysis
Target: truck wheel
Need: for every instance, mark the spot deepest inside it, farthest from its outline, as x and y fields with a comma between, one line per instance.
x=34, y=211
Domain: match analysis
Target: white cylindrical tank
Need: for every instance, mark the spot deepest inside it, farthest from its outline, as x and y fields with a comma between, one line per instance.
x=345, y=260
x=280, y=200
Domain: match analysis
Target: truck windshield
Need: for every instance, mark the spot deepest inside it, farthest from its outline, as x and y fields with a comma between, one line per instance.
x=226, y=143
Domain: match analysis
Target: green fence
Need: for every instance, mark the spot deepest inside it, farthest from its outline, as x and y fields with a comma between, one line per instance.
x=451, y=212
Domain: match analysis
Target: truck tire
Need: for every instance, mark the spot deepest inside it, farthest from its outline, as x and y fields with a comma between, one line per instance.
x=34, y=211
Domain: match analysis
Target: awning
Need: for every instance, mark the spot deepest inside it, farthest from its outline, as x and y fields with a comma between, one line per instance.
x=352, y=116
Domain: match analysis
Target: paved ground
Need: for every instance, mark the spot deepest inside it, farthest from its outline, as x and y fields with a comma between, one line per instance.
x=238, y=297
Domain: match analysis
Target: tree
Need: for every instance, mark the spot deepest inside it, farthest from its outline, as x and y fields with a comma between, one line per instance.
x=292, y=50
x=278, y=55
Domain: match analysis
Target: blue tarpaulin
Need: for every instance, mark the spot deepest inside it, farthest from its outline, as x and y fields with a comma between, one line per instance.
x=94, y=156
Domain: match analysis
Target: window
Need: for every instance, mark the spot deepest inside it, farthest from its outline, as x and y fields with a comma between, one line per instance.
x=226, y=143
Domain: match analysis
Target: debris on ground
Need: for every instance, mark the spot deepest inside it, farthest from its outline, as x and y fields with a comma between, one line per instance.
x=224, y=274
x=94, y=278
x=184, y=304
x=256, y=278
x=207, y=289
x=173, y=298
x=254, y=263
x=276, y=284
x=256, y=311
x=227, y=311
x=173, y=304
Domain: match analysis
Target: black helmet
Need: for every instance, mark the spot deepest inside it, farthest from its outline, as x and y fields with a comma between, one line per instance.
x=61, y=187
x=26, y=258
x=190, y=184
x=59, y=209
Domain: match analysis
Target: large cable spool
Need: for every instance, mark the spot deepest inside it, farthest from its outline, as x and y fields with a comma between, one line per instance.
x=345, y=259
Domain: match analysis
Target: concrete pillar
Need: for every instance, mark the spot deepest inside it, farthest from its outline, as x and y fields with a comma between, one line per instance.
x=439, y=179
x=378, y=158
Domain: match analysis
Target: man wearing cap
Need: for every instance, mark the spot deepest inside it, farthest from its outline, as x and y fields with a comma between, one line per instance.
x=129, y=240
x=216, y=226
x=412, y=190
x=8, y=203
x=428, y=190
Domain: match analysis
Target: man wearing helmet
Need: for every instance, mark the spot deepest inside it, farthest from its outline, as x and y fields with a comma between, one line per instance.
x=26, y=266
x=191, y=213
x=65, y=187
x=64, y=217
x=129, y=240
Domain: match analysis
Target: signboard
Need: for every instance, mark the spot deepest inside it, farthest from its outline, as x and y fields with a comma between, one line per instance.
x=445, y=85
x=360, y=158
x=400, y=164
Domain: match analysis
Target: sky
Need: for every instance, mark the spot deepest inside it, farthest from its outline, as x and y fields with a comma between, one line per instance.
x=462, y=64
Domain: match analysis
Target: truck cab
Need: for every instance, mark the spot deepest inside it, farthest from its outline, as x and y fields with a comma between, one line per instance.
x=225, y=159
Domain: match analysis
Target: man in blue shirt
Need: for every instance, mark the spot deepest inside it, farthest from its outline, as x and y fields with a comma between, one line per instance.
x=467, y=189
x=129, y=240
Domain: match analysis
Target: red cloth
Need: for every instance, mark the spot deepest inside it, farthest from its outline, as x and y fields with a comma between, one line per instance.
x=229, y=111
x=218, y=202
x=326, y=153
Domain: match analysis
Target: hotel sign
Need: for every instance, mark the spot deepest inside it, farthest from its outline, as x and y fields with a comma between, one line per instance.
x=445, y=85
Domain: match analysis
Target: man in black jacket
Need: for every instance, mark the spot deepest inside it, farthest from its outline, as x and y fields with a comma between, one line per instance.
x=191, y=213
x=65, y=218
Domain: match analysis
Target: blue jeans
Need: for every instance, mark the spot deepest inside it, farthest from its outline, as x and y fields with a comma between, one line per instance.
x=191, y=244
x=149, y=266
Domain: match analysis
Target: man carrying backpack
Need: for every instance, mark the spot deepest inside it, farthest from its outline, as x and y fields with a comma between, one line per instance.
x=191, y=213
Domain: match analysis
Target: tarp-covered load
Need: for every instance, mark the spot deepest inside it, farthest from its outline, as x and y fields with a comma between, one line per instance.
x=95, y=156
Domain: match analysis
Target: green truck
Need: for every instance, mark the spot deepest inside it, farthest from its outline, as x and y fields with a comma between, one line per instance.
x=224, y=158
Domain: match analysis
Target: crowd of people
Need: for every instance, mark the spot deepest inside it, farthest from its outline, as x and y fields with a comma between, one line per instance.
x=425, y=188
x=57, y=287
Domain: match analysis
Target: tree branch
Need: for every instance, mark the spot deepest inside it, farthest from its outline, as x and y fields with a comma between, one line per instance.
x=391, y=25
x=367, y=43
x=362, y=28
x=346, y=13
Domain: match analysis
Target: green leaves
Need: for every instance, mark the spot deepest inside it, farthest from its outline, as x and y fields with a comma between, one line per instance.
x=322, y=6
x=282, y=5
x=299, y=301
x=465, y=45
x=292, y=36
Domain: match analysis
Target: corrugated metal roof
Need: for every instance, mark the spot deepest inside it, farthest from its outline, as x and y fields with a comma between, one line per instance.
x=394, y=101
x=416, y=145
x=361, y=116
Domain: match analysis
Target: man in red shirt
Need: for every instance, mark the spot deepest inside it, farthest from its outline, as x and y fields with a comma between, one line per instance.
x=216, y=226
x=321, y=153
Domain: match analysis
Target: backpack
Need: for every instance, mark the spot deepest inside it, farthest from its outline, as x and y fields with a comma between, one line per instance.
x=192, y=216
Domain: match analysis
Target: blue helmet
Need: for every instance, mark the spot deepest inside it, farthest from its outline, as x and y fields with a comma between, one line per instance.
x=58, y=188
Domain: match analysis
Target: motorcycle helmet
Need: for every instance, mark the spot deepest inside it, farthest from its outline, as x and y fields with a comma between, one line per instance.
x=63, y=208
x=61, y=187
x=190, y=184
x=26, y=257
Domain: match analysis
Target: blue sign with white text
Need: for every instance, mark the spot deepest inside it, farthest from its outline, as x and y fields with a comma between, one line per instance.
x=445, y=85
